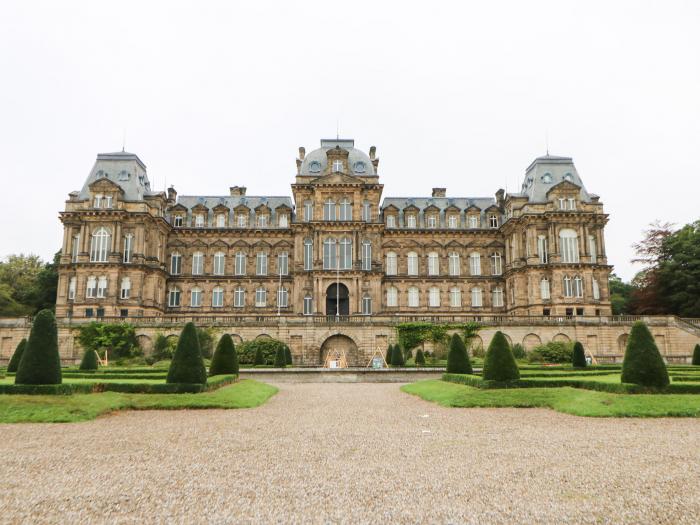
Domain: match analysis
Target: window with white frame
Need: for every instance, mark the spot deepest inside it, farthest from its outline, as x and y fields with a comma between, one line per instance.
x=91, y=287
x=75, y=248
x=283, y=220
x=434, y=297
x=391, y=221
x=242, y=220
x=174, y=295
x=199, y=220
x=596, y=289
x=413, y=297
x=283, y=263
x=544, y=289
x=346, y=253
x=102, y=287
x=453, y=221
x=493, y=221
x=125, y=288
x=308, y=211
x=239, y=297
x=197, y=263
x=431, y=221
x=308, y=254
x=282, y=298
x=177, y=221
x=455, y=297
x=262, y=220
x=366, y=304
x=593, y=248
x=475, y=263
x=454, y=266
x=260, y=298
x=496, y=264
x=473, y=221
x=542, y=249
x=433, y=264
x=568, y=239
x=366, y=255
x=308, y=305
x=220, y=220
x=410, y=221
x=219, y=263
x=217, y=297
x=366, y=211
x=572, y=203
x=196, y=297
x=568, y=287
x=261, y=264
x=107, y=203
x=97, y=201
x=497, y=297
x=578, y=286
x=329, y=254
x=345, y=210
x=337, y=166
x=329, y=210
x=128, y=246
x=71, y=288
x=240, y=263
x=100, y=245
x=392, y=297
x=412, y=260
x=391, y=263
x=477, y=297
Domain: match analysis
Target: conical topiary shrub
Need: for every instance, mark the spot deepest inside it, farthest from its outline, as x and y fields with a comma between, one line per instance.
x=259, y=357
x=643, y=364
x=499, y=363
x=420, y=358
x=280, y=358
x=397, y=356
x=579, y=356
x=17, y=356
x=695, y=361
x=89, y=361
x=225, y=359
x=40, y=363
x=389, y=350
x=457, y=357
x=287, y=355
x=187, y=365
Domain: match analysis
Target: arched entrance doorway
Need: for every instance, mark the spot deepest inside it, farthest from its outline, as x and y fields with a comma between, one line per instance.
x=337, y=299
x=340, y=346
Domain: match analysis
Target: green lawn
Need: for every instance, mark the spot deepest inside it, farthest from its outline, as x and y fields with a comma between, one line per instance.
x=81, y=407
x=574, y=401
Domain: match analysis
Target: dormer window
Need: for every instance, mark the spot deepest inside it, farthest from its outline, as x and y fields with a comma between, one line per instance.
x=391, y=221
x=453, y=221
x=177, y=221
x=123, y=175
x=410, y=221
x=221, y=220
x=568, y=177
x=242, y=221
x=199, y=220
x=547, y=178
x=473, y=221
x=337, y=166
x=262, y=221
x=97, y=202
x=107, y=203
x=493, y=221
x=432, y=221
x=283, y=221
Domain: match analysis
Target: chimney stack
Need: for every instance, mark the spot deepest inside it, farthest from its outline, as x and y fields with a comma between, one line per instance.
x=172, y=194
x=439, y=192
x=372, y=152
x=302, y=152
x=237, y=191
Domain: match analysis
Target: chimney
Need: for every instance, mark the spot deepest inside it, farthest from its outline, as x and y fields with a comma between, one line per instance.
x=302, y=152
x=172, y=194
x=372, y=152
x=237, y=191
x=439, y=192
x=500, y=198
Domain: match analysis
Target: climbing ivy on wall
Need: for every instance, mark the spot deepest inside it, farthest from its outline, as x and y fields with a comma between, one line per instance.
x=411, y=335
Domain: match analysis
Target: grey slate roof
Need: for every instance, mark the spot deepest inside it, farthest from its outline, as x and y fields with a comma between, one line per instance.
x=535, y=185
x=252, y=202
x=442, y=203
x=355, y=158
x=122, y=168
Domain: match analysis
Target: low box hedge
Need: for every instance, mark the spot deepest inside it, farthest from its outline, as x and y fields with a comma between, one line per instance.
x=125, y=377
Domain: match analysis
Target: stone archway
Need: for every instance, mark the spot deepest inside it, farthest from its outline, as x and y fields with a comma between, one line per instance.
x=337, y=299
x=145, y=343
x=530, y=341
x=338, y=344
x=622, y=343
x=561, y=338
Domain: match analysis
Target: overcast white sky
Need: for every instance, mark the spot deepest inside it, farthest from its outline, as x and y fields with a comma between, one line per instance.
x=455, y=94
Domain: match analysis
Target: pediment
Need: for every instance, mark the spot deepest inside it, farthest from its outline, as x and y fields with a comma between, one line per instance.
x=411, y=207
x=453, y=244
x=242, y=208
x=473, y=208
x=495, y=244
x=221, y=208
x=336, y=178
x=240, y=243
x=262, y=208
x=493, y=207
x=199, y=207
x=105, y=184
x=219, y=243
x=452, y=208
x=391, y=244
x=178, y=208
x=391, y=207
x=431, y=209
x=564, y=185
x=283, y=244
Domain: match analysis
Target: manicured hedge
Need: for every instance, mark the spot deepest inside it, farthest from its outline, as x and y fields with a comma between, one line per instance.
x=499, y=363
x=579, y=356
x=643, y=364
x=696, y=355
x=187, y=365
x=17, y=356
x=108, y=375
x=41, y=363
x=397, y=356
x=225, y=360
x=457, y=357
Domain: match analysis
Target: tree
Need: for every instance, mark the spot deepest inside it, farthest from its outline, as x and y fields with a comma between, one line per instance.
x=499, y=363
x=119, y=339
x=27, y=284
x=647, y=298
x=579, y=357
x=89, y=361
x=420, y=358
x=206, y=342
x=41, y=363
x=643, y=364
x=397, y=356
x=187, y=365
x=620, y=295
x=457, y=357
x=259, y=357
x=678, y=271
x=696, y=356
x=17, y=356
x=287, y=355
x=280, y=358
x=389, y=350
x=225, y=360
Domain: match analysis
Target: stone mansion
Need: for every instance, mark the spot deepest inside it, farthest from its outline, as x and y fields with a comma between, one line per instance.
x=335, y=248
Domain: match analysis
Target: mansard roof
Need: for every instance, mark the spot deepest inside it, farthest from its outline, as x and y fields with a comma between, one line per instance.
x=546, y=172
x=251, y=202
x=441, y=203
x=316, y=161
x=123, y=169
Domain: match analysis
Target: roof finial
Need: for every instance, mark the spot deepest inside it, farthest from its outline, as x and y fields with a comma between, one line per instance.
x=123, y=140
x=546, y=141
x=337, y=129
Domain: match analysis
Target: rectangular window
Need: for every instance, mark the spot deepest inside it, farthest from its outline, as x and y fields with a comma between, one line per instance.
x=455, y=298
x=493, y=221
x=412, y=264
x=433, y=264
x=100, y=312
x=196, y=298
x=392, y=297
x=366, y=255
x=217, y=297
x=496, y=264
x=175, y=264
x=197, y=264
x=108, y=201
x=220, y=220
x=219, y=263
x=593, y=248
x=568, y=287
x=123, y=312
x=260, y=297
x=282, y=298
x=89, y=312
x=283, y=264
x=128, y=240
x=125, y=288
x=174, y=297
x=199, y=220
x=345, y=210
x=497, y=297
x=391, y=221
x=434, y=298
x=71, y=288
x=391, y=263
x=473, y=221
x=572, y=204
x=413, y=298
x=367, y=305
x=410, y=221
x=453, y=221
x=262, y=221
x=239, y=298
x=542, y=249
x=242, y=221
x=329, y=255
x=308, y=254
x=308, y=305
x=283, y=221
x=366, y=212
x=432, y=221
x=476, y=297
x=475, y=264
x=345, y=254
x=596, y=289
x=308, y=211
x=544, y=289
x=240, y=263
x=329, y=210
x=261, y=264
x=177, y=221
x=102, y=287
x=75, y=249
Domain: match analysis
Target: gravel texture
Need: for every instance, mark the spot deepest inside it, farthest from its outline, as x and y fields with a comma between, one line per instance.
x=320, y=453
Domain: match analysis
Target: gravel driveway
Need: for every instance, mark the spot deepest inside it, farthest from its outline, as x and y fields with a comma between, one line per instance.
x=351, y=453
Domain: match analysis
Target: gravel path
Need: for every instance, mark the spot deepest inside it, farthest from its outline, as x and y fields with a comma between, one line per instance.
x=351, y=453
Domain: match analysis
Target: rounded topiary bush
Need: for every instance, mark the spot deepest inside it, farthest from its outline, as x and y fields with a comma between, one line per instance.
x=287, y=355
x=89, y=361
x=389, y=351
x=420, y=358
x=696, y=356
x=643, y=364
x=259, y=357
x=225, y=360
x=280, y=358
x=397, y=356
x=17, y=356
x=40, y=363
x=499, y=363
x=187, y=365
x=579, y=356
x=457, y=357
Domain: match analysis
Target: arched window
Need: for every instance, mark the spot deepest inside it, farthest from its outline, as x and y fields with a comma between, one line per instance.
x=412, y=259
x=497, y=298
x=578, y=286
x=345, y=210
x=239, y=297
x=455, y=297
x=366, y=255
x=260, y=298
x=496, y=264
x=125, y=288
x=391, y=263
x=197, y=263
x=219, y=263
x=366, y=304
x=329, y=254
x=174, y=297
x=175, y=263
x=100, y=245
x=542, y=249
x=217, y=297
x=283, y=263
x=455, y=266
x=568, y=287
x=434, y=297
x=568, y=240
x=392, y=297
x=433, y=264
x=196, y=297
x=261, y=264
x=413, y=297
x=308, y=254
x=308, y=305
x=475, y=263
x=476, y=297
x=544, y=288
x=346, y=253
x=240, y=263
x=329, y=210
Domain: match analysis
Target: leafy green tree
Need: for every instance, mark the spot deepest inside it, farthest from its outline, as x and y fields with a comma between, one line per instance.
x=620, y=295
x=579, y=357
x=420, y=358
x=519, y=351
x=643, y=364
x=259, y=358
x=499, y=363
x=206, y=342
x=89, y=361
x=397, y=356
x=280, y=358
x=248, y=350
x=41, y=363
x=17, y=356
x=187, y=365
x=164, y=347
x=679, y=271
x=225, y=360
x=119, y=339
x=27, y=284
x=696, y=356
x=457, y=357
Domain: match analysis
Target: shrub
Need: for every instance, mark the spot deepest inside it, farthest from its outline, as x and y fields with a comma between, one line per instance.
x=163, y=348
x=287, y=355
x=478, y=351
x=397, y=356
x=552, y=352
x=387, y=357
x=420, y=358
x=696, y=356
x=280, y=358
x=457, y=357
x=206, y=342
x=89, y=361
x=187, y=365
x=119, y=339
x=17, y=356
x=643, y=364
x=259, y=357
x=407, y=354
x=247, y=351
x=225, y=360
x=519, y=351
x=41, y=363
x=499, y=363
x=579, y=356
